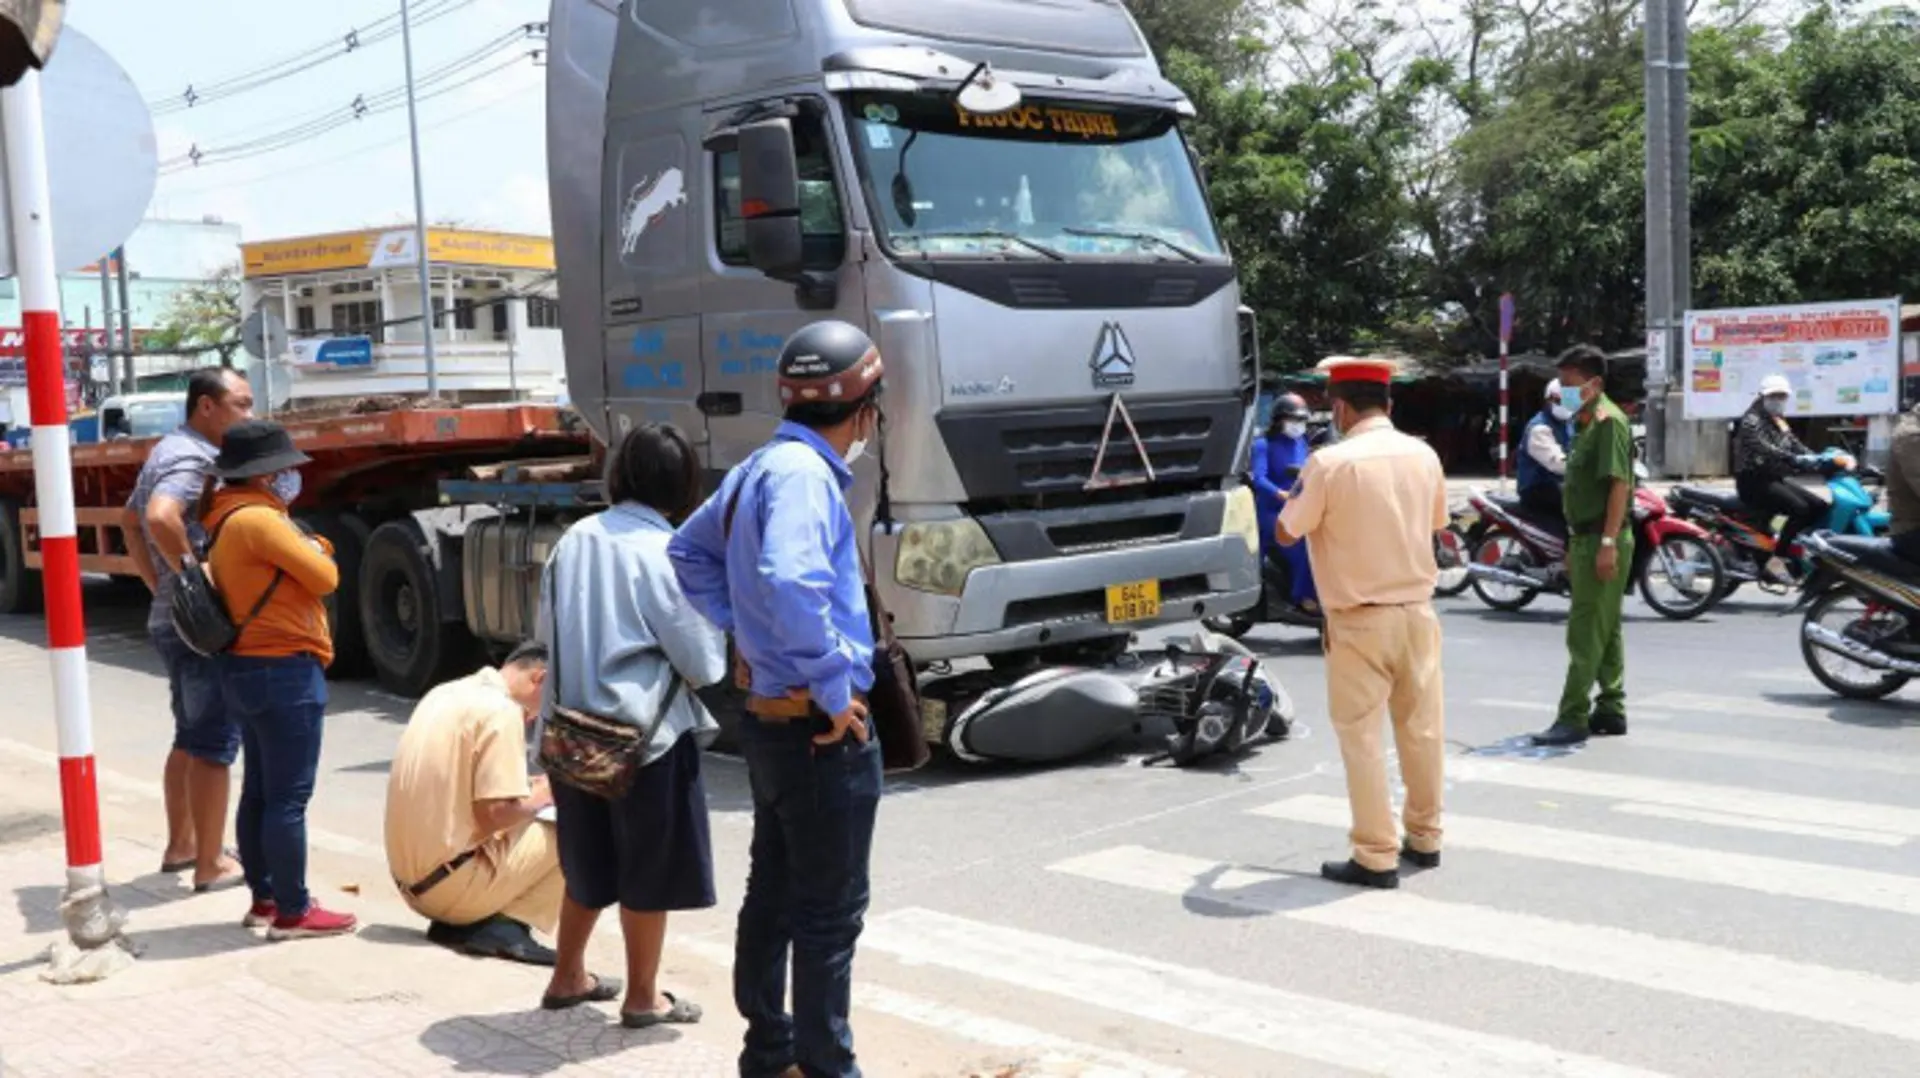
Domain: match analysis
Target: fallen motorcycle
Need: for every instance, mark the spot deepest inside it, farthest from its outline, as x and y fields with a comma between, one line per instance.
x=1862, y=603
x=1519, y=555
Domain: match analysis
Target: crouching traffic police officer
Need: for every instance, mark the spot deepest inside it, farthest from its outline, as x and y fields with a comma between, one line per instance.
x=1595, y=496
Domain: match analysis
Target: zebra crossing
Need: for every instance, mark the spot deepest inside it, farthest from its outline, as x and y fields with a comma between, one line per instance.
x=1856, y=862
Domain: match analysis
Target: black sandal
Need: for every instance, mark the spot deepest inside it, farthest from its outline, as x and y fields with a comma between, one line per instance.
x=604, y=989
x=681, y=1013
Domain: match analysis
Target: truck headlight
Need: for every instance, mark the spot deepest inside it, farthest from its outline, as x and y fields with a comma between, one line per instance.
x=1240, y=518
x=937, y=557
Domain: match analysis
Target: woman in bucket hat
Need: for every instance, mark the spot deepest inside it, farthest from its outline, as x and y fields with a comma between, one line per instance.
x=273, y=579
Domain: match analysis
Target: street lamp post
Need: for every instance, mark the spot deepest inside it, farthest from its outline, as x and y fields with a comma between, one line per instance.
x=419, y=207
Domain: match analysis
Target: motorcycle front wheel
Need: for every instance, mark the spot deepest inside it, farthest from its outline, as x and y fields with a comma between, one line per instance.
x=1843, y=612
x=1682, y=578
x=1503, y=551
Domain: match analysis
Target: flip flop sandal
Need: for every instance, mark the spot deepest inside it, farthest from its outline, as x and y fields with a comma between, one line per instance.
x=683, y=1013
x=170, y=867
x=224, y=883
x=604, y=989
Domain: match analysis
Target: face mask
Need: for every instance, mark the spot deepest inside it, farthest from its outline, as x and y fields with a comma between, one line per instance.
x=1571, y=398
x=1294, y=430
x=856, y=450
x=286, y=486
x=1560, y=411
x=1776, y=405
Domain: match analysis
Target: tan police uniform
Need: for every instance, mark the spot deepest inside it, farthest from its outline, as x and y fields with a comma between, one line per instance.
x=467, y=742
x=1368, y=506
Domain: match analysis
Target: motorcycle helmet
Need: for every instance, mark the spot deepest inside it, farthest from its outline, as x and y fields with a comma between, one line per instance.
x=828, y=363
x=1290, y=415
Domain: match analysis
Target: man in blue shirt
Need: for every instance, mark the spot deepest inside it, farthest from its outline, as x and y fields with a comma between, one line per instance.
x=773, y=558
x=1543, y=457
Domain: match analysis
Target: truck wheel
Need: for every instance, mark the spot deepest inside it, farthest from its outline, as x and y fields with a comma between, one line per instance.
x=19, y=585
x=348, y=534
x=411, y=645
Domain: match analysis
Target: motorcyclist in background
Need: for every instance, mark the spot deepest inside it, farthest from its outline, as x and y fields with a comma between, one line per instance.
x=1766, y=457
x=1543, y=457
x=1903, y=485
x=1278, y=457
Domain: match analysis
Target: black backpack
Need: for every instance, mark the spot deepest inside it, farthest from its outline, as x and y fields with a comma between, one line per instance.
x=199, y=613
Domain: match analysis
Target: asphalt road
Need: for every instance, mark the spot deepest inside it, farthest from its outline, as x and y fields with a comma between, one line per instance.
x=1731, y=890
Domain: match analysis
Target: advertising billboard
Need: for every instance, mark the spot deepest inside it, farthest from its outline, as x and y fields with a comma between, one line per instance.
x=1842, y=359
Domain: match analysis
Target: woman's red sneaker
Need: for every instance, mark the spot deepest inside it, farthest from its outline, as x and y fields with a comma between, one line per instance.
x=260, y=915
x=314, y=922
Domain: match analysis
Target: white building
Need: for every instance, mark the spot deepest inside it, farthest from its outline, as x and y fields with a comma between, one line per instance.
x=497, y=333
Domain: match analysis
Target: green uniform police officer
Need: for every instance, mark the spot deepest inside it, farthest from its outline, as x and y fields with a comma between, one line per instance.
x=1597, y=490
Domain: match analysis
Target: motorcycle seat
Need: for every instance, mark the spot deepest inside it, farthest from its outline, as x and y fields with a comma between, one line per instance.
x=1511, y=503
x=1725, y=501
x=1876, y=554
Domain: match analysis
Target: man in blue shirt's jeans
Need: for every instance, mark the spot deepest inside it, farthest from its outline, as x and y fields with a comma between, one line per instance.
x=773, y=559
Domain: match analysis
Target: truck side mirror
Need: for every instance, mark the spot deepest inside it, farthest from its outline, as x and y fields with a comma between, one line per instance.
x=770, y=199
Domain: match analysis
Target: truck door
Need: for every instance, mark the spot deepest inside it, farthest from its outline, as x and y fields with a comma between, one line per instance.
x=748, y=316
x=652, y=319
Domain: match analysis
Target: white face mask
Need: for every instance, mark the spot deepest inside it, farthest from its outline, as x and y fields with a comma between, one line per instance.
x=1294, y=430
x=1560, y=411
x=286, y=486
x=856, y=450
x=1776, y=405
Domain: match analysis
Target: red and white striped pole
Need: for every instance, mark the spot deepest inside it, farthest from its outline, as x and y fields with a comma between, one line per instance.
x=1506, y=341
x=90, y=918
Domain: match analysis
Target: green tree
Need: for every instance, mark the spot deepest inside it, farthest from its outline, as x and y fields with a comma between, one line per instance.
x=202, y=318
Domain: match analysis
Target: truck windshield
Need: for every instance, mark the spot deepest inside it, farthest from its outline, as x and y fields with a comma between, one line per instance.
x=1046, y=181
x=152, y=419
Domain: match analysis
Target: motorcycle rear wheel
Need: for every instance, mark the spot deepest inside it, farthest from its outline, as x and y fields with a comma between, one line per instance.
x=1503, y=550
x=1828, y=666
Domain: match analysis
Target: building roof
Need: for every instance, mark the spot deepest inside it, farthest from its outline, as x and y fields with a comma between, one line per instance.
x=393, y=248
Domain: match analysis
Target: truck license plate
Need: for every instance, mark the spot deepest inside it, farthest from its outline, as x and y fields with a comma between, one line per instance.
x=1139, y=601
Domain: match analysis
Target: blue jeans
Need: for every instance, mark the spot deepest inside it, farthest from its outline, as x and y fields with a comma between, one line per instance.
x=280, y=705
x=202, y=727
x=807, y=889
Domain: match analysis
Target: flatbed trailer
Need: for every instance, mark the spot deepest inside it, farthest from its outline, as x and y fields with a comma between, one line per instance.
x=373, y=490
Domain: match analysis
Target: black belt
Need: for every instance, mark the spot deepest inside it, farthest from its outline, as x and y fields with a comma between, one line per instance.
x=437, y=876
x=1588, y=531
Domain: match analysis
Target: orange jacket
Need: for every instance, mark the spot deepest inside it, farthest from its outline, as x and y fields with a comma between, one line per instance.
x=257, y=539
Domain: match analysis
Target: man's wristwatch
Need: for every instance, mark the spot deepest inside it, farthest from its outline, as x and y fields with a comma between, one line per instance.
x=1607, y=540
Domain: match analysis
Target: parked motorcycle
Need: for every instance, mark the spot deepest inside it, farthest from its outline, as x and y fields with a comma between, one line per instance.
x=1862, y=603
x=1518, y=555
x=1745, y=537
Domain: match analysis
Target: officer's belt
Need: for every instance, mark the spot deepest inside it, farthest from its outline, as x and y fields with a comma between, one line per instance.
x=1589, y=531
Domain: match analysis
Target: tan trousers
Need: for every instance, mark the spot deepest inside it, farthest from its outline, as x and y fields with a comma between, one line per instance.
x=1386, y=660
x=518, y=877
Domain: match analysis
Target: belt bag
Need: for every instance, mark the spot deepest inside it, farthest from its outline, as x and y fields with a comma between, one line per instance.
x=593, y=753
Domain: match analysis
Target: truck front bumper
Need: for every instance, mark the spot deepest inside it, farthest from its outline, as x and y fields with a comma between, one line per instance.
x=1062, y=600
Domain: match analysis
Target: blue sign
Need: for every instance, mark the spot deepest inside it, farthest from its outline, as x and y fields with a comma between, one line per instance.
x=1506, y=317
x=345, y=352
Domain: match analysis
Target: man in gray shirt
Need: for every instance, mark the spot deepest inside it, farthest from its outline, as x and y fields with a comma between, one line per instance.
x=205, y=739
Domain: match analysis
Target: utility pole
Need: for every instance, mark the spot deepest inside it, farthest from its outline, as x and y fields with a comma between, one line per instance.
x=106, y=322
x=419, y=207
x=1669, y=285
x=126, y=320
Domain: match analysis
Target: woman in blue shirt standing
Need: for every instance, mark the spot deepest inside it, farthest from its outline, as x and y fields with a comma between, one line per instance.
x=1277, y=459
x=627, y=647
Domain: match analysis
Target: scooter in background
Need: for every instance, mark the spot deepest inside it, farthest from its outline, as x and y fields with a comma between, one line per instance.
x=1518, y=555
x=1746, y=541
x=1860, y=635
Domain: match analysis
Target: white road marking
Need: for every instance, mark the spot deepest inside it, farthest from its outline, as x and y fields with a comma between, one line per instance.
x=1782, y=751
x=1745, y=707
x=1208, y=1004
x=1561, y=778
x=1749, y=823
x=1764, y=875
x=1094, y=1062
x=1761, y=982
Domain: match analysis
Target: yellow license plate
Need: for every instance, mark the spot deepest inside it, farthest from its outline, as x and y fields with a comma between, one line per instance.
x=1139, y=601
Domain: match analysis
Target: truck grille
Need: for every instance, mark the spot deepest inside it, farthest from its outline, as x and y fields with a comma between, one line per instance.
x=1002, y=454
x=1116, y=534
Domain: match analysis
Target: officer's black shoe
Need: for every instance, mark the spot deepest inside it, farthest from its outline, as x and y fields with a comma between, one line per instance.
x=1354, y=874
x=448, y=935
x=1562, y=733
x=1418, y=859
x=1607, y=725
x=504, y=937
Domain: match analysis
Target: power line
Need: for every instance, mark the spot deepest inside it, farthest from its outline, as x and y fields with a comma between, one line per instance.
x=437, y=83
x=382, y=29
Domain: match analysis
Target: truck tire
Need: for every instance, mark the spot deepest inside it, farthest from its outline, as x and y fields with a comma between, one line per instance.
x=410, y=643
x=348, y=534
x=19, y=585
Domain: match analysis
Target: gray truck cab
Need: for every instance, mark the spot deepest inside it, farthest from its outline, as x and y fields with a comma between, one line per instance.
x=999, y=192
